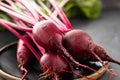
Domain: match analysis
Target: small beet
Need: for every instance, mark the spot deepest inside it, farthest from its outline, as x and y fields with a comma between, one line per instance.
x=24, y=56
x=53, y=65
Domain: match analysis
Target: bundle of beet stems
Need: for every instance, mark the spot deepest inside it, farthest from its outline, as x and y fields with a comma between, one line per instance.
x=59, y=46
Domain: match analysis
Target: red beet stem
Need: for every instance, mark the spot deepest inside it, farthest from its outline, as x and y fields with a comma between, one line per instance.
x=61, y=14
x=60, y=5
x=28, y=5
x=55, y=77
x=16, y=14
x=16, y=26
x=16, y=11
x=41, y=49
x=17, y=34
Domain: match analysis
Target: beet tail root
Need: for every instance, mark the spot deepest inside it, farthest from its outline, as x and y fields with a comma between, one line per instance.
x=48, y=74
x=101, y=52
x=24, y=74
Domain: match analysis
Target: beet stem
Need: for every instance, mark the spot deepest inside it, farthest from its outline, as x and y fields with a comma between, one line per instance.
x=53, y=17
x=15, y=14
x=55, y=77
x=59, y=25
x=44, y=6
x=28, y=5
x=17, y=34
x=18, y=12
x=41, y=49
x=9, y=1
x=16, y=26
x=60, y=5
x=61, y=14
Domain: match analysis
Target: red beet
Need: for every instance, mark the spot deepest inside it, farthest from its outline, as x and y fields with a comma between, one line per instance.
x=82, y=48
x=53, y=65
x=47, y=35
x=77, y=43
x=24, y=56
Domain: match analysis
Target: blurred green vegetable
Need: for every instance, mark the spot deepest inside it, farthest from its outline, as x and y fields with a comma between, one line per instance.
x=4, y=16
x=87, y=8
x=1, y=28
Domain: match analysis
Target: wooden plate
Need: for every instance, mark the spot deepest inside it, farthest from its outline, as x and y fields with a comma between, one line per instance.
x=9, y=66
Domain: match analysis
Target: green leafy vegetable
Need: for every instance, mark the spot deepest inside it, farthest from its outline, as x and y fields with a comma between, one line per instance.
x=71, y=9
x=88, y=8
x=5, y=17
x=91, y=8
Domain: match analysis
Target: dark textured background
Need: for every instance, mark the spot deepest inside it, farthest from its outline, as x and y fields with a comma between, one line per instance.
x=105, y=31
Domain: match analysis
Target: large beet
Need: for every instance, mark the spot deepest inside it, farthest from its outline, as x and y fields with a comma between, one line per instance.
x=77, y=43
x=82, y=48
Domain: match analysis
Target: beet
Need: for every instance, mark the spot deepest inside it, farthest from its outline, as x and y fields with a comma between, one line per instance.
x=24, y=56
x=53, y=65
x=47, y=35
x=81, y=46
x=77, y=43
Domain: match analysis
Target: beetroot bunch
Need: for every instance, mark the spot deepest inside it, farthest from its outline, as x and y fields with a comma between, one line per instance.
x=59, y=47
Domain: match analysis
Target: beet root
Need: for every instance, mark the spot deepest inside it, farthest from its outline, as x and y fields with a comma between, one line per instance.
x=82, y=48
x=54, y=65
x=24, y=56
x=77, y=43
x=102, y=53
x=47, y=35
